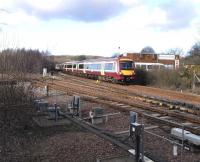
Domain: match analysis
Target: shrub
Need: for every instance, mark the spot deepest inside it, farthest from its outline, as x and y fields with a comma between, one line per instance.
x=173, y=79
x=141, y=77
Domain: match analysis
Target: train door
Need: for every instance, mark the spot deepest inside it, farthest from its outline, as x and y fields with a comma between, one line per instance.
x=84, y=68
x=102, y=68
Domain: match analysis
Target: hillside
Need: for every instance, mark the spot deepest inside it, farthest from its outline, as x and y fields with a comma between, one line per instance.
x=64, y=58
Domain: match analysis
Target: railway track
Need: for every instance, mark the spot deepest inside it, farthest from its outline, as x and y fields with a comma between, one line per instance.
x=125, y=101
x=130, y=92
x=183, y=103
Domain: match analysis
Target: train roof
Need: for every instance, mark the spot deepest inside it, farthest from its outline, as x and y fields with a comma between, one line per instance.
x=99, y=60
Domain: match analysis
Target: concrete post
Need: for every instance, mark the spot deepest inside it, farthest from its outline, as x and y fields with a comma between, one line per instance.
x=44, y=72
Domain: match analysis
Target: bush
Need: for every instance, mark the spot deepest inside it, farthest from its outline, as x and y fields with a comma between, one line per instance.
x=16, y=94
x=141, y=77
x=173, y=79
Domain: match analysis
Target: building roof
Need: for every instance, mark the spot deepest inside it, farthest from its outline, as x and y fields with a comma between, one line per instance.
x=147, y=50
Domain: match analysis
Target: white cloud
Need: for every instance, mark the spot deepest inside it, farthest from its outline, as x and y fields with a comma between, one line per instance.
x=81, y=10
x=130, y=2
x=47, y=5
x=139, y=26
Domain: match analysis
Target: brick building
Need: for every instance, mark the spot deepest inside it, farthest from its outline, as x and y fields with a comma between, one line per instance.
x=148, y=59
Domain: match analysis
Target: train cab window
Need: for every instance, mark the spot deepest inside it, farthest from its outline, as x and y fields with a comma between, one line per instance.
x=74, y=66
x=80, y=66
x=65, y=66
x=127, y=65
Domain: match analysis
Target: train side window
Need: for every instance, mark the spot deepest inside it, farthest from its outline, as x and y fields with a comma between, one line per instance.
x=90, y=66
x=161, y=67
x=137, y=66
x=109, y=66
x=74, y=66
x=87, y=66
x=150, y=67
x=143, y=66
x=98, y=66
x=156, y=67
x=94, y=66
x=80, y=66
x=69, y=66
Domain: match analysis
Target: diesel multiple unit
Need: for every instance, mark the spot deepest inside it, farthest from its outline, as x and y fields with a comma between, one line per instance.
x=120, y=69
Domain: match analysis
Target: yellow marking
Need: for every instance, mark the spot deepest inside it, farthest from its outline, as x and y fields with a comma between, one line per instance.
x=125, y=59
x=127, y=72
x=97, y=81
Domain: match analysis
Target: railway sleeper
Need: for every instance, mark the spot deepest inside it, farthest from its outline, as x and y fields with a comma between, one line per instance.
x=186, y=108
x=171, y=106
x=175, y=102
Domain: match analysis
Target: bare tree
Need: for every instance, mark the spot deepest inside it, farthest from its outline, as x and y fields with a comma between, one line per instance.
x=16, y=65
x=175, y=51
x=194, y=55
x=195, y=50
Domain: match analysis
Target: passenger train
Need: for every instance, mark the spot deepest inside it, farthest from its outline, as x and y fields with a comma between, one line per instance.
x=119, y=69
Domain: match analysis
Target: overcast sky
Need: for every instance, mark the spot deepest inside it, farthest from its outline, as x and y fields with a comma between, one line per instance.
x=99, y=27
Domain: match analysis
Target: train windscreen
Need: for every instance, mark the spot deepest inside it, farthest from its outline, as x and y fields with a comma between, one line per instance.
x=126, y=65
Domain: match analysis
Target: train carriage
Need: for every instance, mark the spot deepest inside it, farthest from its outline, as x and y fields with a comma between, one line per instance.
x=108, y=69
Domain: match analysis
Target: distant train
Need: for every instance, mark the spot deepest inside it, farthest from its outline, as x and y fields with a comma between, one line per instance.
x=150, y=66
x=119, y=69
